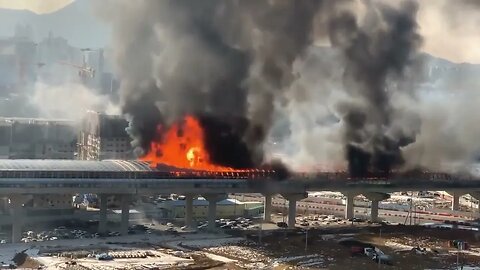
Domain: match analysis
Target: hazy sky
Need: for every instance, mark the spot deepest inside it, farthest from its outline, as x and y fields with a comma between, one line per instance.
x=37, y=6
x=450, y=29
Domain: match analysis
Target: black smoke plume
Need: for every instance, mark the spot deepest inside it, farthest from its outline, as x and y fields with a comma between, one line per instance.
x=216, y=59
x=376, y=52
x=222, y=139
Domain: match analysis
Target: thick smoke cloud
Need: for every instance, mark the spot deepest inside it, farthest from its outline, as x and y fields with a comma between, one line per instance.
x=307, y=134
x=248, y=70
x=68, y=101
x=449, y=133
x=226, y=60
x=375, y=53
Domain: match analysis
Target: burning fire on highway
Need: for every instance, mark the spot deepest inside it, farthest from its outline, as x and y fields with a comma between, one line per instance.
x=182, y=145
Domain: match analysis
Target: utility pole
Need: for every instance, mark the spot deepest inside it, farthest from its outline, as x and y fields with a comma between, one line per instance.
x=460, y=247
x=235, y=205
x=471, y=207
x=411, y=207
x=458, y=255
x=306, y=239
x=260, y=233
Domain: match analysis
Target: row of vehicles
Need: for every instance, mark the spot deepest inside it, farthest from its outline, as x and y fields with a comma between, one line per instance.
x=239, y=223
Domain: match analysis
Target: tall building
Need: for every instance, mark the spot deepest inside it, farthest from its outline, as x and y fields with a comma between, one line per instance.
x=29, y=138
x=104, y=136
x=17, y=64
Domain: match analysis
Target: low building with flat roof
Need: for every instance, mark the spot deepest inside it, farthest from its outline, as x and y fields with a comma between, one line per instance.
x=227, y=208
x=36, y=138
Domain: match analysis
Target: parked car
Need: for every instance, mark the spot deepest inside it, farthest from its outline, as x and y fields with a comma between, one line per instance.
x=104, y=257
x=171, y=230
x=282, y=224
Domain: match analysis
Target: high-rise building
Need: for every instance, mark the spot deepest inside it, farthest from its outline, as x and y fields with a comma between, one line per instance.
x=104, y=136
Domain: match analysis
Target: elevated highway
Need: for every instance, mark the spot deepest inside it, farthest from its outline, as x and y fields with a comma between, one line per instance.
x=136, y=177
x=120, y=185
x=20, y=179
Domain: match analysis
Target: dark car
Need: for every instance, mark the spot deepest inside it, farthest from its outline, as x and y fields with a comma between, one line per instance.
x=355, y=219
x=282, y=224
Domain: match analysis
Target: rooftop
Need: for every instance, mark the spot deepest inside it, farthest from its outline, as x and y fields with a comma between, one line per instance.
x=111, y=169
x=201, y=202
x=73, y=165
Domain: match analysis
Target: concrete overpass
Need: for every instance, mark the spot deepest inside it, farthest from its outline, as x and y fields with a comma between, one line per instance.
x=20, y=179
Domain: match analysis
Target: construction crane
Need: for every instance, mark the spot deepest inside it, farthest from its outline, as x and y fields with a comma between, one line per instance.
x=84, y=71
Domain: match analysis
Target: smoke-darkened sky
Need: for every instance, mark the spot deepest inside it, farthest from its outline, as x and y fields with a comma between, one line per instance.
x=251, y=64
x=450, y=28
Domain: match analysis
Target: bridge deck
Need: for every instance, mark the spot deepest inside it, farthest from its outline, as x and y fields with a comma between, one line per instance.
x=134, y=169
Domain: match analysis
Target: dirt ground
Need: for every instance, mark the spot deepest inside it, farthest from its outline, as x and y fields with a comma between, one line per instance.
x=286, y=250
x=324, y=252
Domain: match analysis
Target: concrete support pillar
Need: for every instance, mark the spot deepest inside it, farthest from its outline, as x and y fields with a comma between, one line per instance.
x=374, y=211
x=189, y=210
x=102, y=219
x=212, y=214
x=456, y=197
x=455, y=201
x=4, y=203
x=267, y=212
x=349, y=206
x=476, y=196
x=292, y=213
x=375, y=197
x=213, y=199
x=17, y=213
x=125, y=205
x=292, y=207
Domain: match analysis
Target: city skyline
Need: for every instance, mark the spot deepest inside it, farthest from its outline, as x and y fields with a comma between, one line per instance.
x=439, y=23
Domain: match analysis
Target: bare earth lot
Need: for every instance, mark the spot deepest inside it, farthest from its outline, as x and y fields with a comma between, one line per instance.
x=277, y=250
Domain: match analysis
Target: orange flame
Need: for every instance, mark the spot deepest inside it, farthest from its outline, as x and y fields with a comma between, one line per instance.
x=183, y=146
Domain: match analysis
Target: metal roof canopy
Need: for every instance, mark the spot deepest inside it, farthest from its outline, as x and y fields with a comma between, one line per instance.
x=74, y=165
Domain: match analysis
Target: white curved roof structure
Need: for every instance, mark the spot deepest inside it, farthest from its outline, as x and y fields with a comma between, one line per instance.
x=74, y=165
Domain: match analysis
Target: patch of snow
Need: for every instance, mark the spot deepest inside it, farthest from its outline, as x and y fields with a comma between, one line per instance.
x=160, y=260
x=218, y=258
x=327, y=237
x=311, y=262
x=256, y=265
x=398, y=246
x=295, y=258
